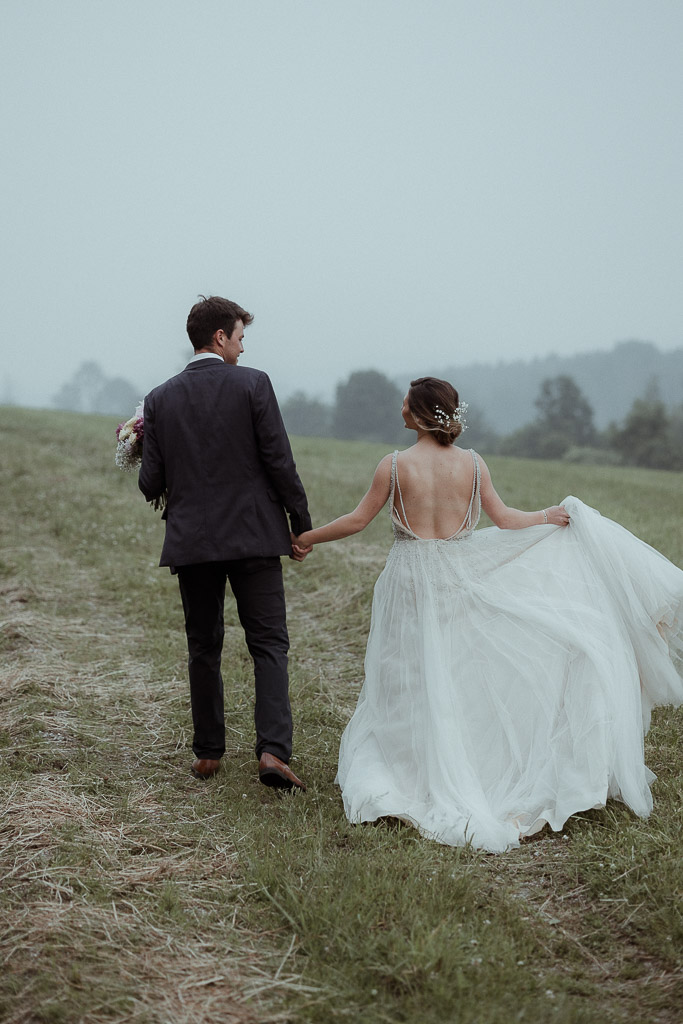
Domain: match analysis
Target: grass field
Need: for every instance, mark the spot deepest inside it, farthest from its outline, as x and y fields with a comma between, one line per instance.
x=131, y=892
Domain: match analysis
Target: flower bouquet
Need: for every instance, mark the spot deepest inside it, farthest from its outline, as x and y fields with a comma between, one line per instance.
x=128, y=455
x=129, y=441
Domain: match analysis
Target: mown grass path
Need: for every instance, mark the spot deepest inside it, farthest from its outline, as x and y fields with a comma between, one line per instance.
x=131, y=892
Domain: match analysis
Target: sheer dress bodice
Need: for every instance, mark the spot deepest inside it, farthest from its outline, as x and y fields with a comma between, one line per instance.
x=401, y=526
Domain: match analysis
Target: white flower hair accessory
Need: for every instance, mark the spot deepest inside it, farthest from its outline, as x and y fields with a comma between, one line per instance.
x=445, y=419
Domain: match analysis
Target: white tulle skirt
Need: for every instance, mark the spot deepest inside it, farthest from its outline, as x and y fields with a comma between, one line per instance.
x=509, y=679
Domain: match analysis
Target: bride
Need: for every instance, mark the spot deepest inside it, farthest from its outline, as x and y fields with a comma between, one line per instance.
x=510, y=672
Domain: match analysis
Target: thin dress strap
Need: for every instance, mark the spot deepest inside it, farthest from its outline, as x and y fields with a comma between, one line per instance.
x=395, y=485
x=393, y=482
x=471, y=520
x=400, y=498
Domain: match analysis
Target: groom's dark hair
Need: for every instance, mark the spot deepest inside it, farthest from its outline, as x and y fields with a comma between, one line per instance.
x=214, y=314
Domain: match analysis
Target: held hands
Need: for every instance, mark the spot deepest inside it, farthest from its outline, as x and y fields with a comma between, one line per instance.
x=299, y=551
x=557, y=516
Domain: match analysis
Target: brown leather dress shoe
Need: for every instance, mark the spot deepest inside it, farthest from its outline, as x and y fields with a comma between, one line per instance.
x=274, y=772
x=204, y=768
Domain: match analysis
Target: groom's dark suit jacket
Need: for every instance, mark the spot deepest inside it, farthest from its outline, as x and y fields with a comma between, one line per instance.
x=215, y=441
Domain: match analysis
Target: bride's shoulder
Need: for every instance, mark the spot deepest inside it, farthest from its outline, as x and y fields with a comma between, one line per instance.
x=405, y=454
x=470, y=455
x=481, y=462
x=384, y=466
x=466, y=455
x=473, y=454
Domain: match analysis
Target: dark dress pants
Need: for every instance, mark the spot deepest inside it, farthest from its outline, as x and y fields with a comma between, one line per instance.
x=259, y=594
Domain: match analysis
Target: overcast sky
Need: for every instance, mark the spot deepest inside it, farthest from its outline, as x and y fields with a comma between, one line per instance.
x=395, y=184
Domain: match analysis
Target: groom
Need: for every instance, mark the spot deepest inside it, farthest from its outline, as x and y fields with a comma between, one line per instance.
x=214, y=440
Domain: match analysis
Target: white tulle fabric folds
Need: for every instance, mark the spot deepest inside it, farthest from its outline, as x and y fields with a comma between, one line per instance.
x=509, y=679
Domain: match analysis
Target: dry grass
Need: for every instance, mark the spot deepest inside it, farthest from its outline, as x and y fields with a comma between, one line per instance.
x=106, y=889
x=131, y=892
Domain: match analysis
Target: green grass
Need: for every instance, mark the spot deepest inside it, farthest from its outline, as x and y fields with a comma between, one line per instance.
x=131, y=892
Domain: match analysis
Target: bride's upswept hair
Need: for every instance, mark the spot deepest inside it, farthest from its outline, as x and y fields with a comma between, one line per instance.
x=434, y=405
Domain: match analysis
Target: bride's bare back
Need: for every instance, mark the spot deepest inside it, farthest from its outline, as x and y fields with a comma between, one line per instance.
x=436, y=487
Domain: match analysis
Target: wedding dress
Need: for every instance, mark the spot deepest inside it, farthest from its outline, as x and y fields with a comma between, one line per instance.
x=510, y=675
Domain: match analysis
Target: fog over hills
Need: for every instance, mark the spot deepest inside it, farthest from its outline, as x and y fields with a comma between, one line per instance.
x=610, y=380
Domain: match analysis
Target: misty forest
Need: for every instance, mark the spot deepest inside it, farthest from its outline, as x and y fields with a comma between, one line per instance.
x=623, y=407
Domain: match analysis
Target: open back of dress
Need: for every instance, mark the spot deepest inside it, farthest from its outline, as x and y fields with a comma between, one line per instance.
x=402, y=526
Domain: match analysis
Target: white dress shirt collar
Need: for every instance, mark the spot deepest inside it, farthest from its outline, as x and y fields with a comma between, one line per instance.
x=206, y=355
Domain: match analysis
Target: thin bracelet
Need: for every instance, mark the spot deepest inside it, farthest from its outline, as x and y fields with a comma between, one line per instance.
x=545, y=517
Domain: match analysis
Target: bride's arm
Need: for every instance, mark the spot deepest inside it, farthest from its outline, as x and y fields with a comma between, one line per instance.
x=353, y=522
x=513, y=518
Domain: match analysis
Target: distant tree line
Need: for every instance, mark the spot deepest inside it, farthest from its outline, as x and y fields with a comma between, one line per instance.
x=90, y=390
x=610, y=381
x=367, y=407
x=651, y=434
